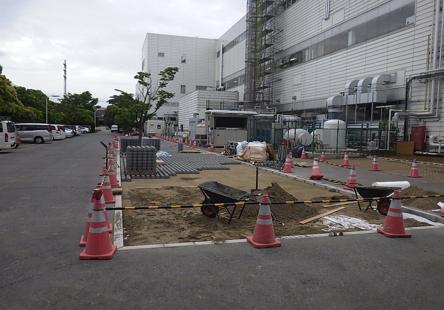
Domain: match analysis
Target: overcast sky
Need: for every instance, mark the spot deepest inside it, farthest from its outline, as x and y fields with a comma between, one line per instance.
x=100, y=39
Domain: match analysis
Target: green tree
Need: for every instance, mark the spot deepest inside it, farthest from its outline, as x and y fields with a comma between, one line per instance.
x=136, y=110
x=11, y=106
x=78, y=109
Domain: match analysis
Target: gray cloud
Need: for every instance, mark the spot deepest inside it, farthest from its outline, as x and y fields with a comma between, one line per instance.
x=101, y=39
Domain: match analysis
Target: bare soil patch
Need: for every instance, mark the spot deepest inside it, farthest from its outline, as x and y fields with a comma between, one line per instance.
x=184, y=225
x=422, y=203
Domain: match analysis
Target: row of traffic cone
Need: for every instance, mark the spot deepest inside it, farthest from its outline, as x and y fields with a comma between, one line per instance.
x=95, y=238
x=264, y=236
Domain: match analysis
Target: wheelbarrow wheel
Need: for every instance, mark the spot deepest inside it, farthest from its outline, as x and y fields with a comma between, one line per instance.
x=210, y=211
x=383, y=206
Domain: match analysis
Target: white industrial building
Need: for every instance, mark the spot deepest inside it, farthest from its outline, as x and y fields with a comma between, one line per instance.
x=319, y=59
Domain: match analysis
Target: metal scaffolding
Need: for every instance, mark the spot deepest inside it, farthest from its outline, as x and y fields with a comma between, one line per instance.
x=260, y=51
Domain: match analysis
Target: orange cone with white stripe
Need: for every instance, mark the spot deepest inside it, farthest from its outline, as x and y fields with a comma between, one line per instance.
x=394, y=222
x=375, y=166
x=112, y=173
x=303, y=154
x=352, y=180
x=345, y=161
x=194, y=144
x=98, y=245
x=414, y=171
x=316, y=171
x=290, y=155
x=263, y=235
x=107, y=192
x=322, y=157
x=288, y=165
x=84, y=237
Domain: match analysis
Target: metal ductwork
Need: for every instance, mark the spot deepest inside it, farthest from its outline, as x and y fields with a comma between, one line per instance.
x=363, y=90
x=351, y=87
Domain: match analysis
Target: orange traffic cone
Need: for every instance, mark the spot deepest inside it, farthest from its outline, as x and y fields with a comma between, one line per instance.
x=263, y=235
x=375, y=166
x=345, y=161
x=322, y=157
x=98, y=245
x=290, y=156
x=84, y=237
x=211, y=148
x=102, y=202
x=303, y=154
x=394, y=223
x=194, y=144
x=316, y=171
x=113, y=176
x=352, y=180
x=414, y=171
x=288, y=166
x=100, y=177
x=107, y=191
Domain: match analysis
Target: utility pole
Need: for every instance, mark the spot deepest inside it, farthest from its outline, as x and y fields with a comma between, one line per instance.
x=64, y=77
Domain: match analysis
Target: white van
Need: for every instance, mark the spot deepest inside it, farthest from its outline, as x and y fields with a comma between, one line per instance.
x=7, y=135
x=58, y=132
x=34, y=132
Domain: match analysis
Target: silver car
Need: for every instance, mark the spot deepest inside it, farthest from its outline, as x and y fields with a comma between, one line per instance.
x=34, y=132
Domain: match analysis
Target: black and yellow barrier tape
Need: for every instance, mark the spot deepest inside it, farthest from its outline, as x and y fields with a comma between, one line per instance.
x=244, y=203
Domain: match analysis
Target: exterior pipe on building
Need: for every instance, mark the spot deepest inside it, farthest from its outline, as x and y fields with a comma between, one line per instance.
x=435, y=74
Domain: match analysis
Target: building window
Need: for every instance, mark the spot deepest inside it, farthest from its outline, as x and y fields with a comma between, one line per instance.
x=182, y=89
x=199, y=87
x=161, y=54
x=183, y=59
x=376, y=27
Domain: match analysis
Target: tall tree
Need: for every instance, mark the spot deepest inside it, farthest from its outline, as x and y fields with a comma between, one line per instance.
x=150, y=98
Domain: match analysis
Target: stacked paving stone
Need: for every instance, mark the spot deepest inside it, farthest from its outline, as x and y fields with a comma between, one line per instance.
x=179, y=163
x=151, y=142
x=141, y=160
x=134, y=141
x=128, y=141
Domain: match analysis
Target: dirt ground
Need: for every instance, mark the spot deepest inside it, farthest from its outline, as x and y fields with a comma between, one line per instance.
x=424, y=203
x=183, y=225
x=429, y=172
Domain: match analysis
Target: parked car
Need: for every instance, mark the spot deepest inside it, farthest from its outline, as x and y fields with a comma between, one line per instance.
x=84, y=129
x=58, y=132
x=74, y=128
x=69, y=133
x=7, y=135
x=114, y=128
x=34, y=132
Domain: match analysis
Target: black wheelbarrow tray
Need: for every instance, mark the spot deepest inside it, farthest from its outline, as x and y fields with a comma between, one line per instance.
x=380, y=193
x=215, y=192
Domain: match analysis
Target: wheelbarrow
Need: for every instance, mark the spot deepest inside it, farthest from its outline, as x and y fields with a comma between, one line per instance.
x=383, y=193
x=215, y=192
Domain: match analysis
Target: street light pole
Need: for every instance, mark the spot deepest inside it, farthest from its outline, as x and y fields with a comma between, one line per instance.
x=46, y=110
x=46, y=106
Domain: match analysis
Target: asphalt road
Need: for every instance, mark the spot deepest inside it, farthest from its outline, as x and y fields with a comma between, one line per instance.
x=44, y=194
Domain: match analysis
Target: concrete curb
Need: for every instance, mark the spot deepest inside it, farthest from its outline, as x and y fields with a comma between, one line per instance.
x=309, y=236
x=424, y=214
x=118, y=217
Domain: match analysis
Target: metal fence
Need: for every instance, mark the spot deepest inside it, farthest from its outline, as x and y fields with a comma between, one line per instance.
x=361, y=137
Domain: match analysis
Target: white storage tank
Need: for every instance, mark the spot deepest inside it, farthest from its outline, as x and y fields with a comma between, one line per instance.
x=333, y=134
x=302, y=136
